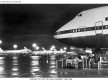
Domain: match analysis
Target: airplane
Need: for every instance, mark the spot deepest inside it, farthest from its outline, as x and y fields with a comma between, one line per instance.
x=42, y=52
x=50, y=52
x=45, y=52
x=89, y=29
x=22, y=51
x=59, y=52
x=71, y=53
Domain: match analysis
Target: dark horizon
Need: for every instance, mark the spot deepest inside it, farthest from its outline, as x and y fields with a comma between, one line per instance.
x=24, y=24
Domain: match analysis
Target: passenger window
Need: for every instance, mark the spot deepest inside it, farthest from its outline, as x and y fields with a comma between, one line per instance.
x=97, y=28
x=100, y=27
x=63, y=32
x=106, y=27
x=74, y=30
x=71, y=31
x=103, y=27
x=93, y=28
x=79, y=15
x=68, y=31
x=86, y=29
x=77, y=30
x=82, y=29
x=90, y=29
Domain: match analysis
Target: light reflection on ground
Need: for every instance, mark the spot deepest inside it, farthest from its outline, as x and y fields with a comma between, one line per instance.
x=37, y=66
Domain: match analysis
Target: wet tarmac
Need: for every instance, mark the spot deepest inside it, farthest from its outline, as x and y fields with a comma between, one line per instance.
x=41, y=66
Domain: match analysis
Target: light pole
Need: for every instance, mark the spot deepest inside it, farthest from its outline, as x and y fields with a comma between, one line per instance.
x=15, y=46
x=34, y=46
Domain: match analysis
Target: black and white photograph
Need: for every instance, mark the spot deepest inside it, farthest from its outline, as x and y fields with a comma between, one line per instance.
x=54, y=40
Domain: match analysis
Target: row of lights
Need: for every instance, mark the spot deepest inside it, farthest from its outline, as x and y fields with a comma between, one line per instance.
x=36, y=47
x=62, y=49
x=14, y=46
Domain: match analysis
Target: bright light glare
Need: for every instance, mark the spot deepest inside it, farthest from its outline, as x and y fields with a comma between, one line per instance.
x=72, y=48
x=52, y=63
x=52, y=47
x=35, y=69
x=36, y=58
x=15, y=69
x=37, y=76
x=52, y=66
x=14, y=73
x=88, y=51
x=34, y=44
x=53, y=71
x=37, y=48
x=35, y=63
x=61, y=49
x=65, y=48
x=15, y=61
x=0, y=41
x=52, y=75
x=1, y=69
x=15, y=58
x=43, y=48
x=52, y=57
x=1, y=58
x=15, y=46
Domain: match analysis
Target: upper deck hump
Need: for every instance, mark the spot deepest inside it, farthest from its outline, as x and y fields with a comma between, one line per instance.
x=86, y=18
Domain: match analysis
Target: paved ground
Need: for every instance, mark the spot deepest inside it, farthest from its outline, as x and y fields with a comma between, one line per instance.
x=83, y=73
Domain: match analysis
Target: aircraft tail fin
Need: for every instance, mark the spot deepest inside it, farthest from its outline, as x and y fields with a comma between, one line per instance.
x=25, y=47
x=43, y=48
x=1, y=50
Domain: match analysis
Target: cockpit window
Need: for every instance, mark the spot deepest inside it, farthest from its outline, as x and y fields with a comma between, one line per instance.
x=79, y=15
x=106, y=19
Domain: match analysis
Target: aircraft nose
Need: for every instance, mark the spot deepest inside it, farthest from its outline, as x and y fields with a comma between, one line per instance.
x=55, y=36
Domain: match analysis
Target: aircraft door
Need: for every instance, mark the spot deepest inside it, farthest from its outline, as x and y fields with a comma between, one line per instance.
x=99, y=32
x=99, y=27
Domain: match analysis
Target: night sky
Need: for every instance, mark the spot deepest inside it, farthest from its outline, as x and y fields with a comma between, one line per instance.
x=24, y=24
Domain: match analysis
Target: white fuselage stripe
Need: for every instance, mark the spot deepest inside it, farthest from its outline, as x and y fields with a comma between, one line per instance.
x=81, y=34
